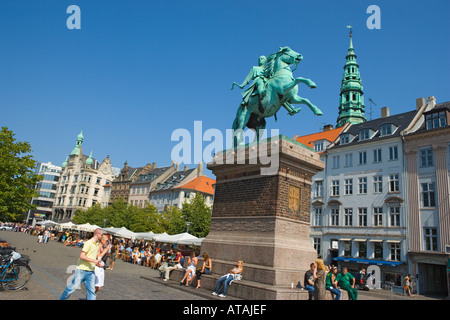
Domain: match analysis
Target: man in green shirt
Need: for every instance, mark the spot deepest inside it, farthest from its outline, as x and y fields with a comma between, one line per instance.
x=344, y=279
x=85, y=271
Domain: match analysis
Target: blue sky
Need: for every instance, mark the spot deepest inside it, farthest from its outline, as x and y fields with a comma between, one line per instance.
x=139, y=69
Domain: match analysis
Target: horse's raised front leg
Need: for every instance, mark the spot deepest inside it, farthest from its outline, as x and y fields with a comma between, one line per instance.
x=288, y=87
x=306, y=81
x=299, y=100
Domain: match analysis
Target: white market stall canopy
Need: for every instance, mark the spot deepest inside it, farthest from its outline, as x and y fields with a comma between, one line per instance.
x=161, y=237
x=86, y=227
x=145, y=235
x=47, y=223
x=124, y=233
x=67, y=225
x=181, y=238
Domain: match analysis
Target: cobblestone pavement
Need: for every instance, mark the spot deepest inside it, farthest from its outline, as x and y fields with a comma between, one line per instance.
x=50, y=263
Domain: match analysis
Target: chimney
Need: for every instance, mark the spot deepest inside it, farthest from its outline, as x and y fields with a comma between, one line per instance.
x=185, y=168
x=327, y=127
x=178, y=166
x=385, y=112
x=420, y=102
x=200, y=169
x=153, y=165
x=431, y=102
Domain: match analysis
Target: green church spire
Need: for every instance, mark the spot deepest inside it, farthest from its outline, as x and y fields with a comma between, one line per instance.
x=351, y=106
x=76, y=148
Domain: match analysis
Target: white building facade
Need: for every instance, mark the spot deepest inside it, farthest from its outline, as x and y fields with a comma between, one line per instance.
x=358, y=212
x=46, y=188
x=82, y=182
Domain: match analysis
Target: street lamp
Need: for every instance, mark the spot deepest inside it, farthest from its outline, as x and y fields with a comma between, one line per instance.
x=104, y=222
x=188, y=224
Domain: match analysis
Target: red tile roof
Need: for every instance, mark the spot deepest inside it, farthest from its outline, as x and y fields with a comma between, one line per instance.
x=203, y=184
x=329, y=135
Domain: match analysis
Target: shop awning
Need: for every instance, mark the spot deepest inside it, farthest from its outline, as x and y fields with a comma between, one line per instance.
x=369, y=261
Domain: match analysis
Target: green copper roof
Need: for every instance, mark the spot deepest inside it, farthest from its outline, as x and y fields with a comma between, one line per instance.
x=351, y=105
x=76, y=148
x=90, y=160
x=64, y=164
x=80, y=136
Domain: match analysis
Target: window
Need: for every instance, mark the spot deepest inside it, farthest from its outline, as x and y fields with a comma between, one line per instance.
x=334, y=216
x=318, y=190
x=347, y=248
x=378, y=250
x=428, y=196
x=386, y=129
x=336, y=160
x=317, y=245
x=394, y=185
x=348, y=217
x=426, y=158
x=364, y=134
x=362, y=185
x=394, y=216
x=435, y=120
x=317, y=216
x=393, y=153
x=349, y=160
x=395, y=251
x=431, y=243
x=335, y=188
x=377, y=184
x=363, y=157
x=318, y=146
x=345, y=138
x=348, y=187
x=378, y=217
x=362, y=249
x=362, y=217
x=377, y=155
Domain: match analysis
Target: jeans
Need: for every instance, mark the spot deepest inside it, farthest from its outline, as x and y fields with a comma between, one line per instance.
x=226, y=282
x=335, y=292
x=310, y=290
x=88, y=277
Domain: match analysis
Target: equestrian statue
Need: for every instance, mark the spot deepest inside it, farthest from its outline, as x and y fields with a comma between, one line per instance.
x=273, y=87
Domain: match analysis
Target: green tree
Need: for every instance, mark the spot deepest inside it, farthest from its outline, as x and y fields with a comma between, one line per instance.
x=171, y=221
x=118, y=214
x=198, y=214
x=93, y=215
x=17, y=177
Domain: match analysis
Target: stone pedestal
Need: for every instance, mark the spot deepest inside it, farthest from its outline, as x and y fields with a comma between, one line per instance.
x=261, y=215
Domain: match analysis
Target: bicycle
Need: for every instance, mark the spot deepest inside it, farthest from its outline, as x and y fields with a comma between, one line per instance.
x=14, y=269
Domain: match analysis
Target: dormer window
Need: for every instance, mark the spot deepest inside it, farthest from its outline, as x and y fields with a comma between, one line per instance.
x=345, y=138
x=318, y=146
x=387, y=129
x=436, y=120
x=364, y=134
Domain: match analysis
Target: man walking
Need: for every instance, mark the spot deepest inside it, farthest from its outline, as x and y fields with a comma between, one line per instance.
x=85, y=271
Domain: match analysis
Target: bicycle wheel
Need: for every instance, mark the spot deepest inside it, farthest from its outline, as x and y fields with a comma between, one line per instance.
x=16, y=277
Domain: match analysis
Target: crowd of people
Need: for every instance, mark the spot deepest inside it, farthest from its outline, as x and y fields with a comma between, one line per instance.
x=320, y=279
